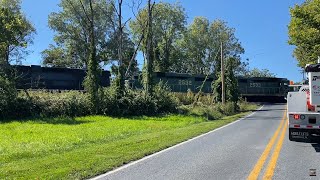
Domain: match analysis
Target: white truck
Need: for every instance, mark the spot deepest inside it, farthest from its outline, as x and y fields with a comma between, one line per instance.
x=303, y=109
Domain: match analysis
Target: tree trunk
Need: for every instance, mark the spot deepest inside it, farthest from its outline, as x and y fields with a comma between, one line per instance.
x=167, y=56
x=92, y=75
x=150, y=55
x=121, y=69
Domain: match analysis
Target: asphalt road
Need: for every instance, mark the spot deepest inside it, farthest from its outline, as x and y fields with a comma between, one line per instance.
x=255, y=147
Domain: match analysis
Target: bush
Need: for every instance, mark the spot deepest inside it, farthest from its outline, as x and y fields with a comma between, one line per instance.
x=185, y=99
x=132, y=103
x=201, y=111
x=230, y=108
x=138, y=103
x=189, y=98
x=164, y=99
x=246, y=106
x=47, y=104
x=8, y=95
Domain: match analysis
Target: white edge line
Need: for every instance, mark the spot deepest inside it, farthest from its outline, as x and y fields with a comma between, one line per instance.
x=169, y=148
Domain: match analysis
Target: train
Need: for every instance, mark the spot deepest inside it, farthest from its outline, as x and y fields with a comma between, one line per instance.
x=251, y=88
x=37, y=77
x=53, y=78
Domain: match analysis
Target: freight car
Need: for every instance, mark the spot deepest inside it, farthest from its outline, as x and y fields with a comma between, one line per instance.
x=254, y=89
x=177, y=82
x=37, y=77
x=263, y=88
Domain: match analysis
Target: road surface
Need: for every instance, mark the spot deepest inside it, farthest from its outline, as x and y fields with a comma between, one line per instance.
x=256, y=147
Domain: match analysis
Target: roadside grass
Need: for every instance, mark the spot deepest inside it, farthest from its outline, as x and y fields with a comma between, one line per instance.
x=79, y=148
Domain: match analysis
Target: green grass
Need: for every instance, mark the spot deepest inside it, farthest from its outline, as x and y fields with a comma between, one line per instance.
x=83, y=147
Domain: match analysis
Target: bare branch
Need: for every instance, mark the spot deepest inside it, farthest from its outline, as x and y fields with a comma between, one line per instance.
x=124, y=24
x=114, y=7
x=84, y=10
x=137, y=9
x=134, y=56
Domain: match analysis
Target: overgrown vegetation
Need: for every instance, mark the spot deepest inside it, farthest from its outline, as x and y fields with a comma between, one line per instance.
x=133, y=103
x=73, y=103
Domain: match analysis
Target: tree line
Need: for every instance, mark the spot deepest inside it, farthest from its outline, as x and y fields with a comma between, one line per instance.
x=89, y=33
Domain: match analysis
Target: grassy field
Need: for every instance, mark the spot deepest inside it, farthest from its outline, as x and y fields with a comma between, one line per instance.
x=83, y=147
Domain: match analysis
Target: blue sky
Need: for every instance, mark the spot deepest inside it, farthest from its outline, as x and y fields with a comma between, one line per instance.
x=261, y=27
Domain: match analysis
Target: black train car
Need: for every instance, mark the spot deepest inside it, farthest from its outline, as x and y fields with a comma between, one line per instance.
x=37, y=77
x=263, y=86
x=254, y=88
x=177, y=82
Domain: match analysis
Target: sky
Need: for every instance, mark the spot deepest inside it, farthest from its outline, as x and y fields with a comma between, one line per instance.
x=261, y=27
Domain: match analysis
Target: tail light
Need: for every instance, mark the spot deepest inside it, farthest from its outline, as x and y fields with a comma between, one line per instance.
x=296, y=116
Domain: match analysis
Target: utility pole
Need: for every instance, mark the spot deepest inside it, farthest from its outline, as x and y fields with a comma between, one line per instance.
x=222, y=78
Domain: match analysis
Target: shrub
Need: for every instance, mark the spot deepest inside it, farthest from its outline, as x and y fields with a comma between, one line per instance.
x=164, y=99
x=246, y=106
x=230, y=108
x=185, y=99
x=8, y=96
x=47, y=104
x=132, y=103
x=201, y=110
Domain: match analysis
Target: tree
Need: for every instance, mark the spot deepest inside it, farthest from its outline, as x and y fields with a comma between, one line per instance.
x=255, y=72
x=200, y=47
x=128, y=55
x=231, y=82
x=149, y=52
x=82, y=33
x=304, y=30
x=16, y=32
x=123, y=47
x=58, y=56
x=224, y=36
x=73, y=29
x=194, y=48
x=168, y=25
x=16, y=35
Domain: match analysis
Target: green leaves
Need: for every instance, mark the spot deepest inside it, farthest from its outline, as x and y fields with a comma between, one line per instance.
x=16, y=30
x=200, y=47
x=73, y=30
x=304, y=31
x=260, y=73
x=167, y=27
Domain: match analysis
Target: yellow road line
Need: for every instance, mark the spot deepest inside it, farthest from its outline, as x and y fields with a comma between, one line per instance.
x=274, y=158
x=257, y=168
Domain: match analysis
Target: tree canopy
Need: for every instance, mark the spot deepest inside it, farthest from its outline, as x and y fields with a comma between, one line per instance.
x=200, y=47
x=16, y=31
x=304, y=30
x=168, y=24
x=255, y=72
x=73, y=30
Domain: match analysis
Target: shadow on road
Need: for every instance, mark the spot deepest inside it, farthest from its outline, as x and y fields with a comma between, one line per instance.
x=262, y=110
x=263, y=118
x=316, y=147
